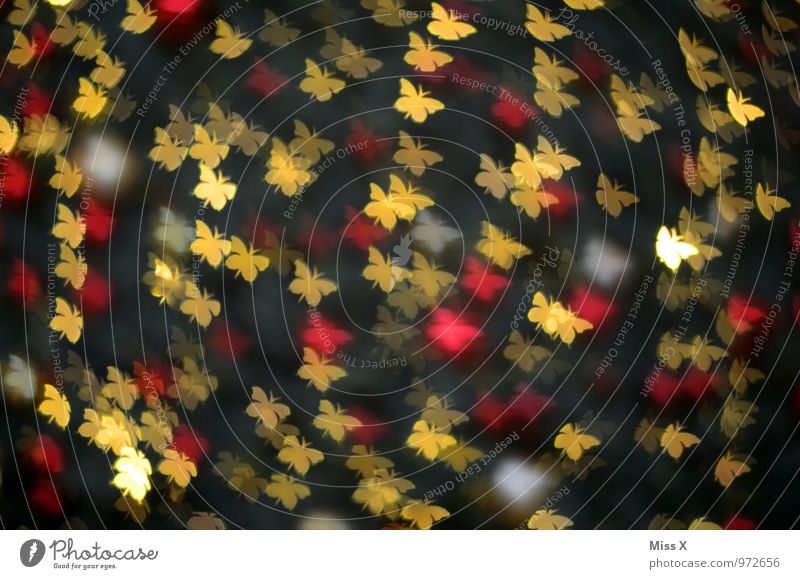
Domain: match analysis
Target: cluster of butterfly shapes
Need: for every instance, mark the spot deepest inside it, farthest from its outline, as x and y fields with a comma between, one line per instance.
x=111, y=426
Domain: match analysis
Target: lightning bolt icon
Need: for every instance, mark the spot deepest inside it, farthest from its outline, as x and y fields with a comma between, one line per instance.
x=34, y=548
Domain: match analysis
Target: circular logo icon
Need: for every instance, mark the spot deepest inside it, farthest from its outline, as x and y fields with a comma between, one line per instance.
x=32, y=552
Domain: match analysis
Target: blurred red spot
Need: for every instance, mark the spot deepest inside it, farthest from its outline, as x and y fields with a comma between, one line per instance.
x=41, y=38
x=372, y=430
x=665, y=388
x=265, y=81
x=17, y=181
x=150, y=383
x=565, y=195
x=741, y=315
x=227, y=341
x=190, y=443
x=450, y=333
x=94, y=293
x=362, y=231
x=323, y=335
x=367, y=144
x=98, y=222
x=37, y=101
x=45, y=498
x=484, y=282
x=591, y=305
x=23, y=283
x=739, y=523
x=590, y=66
x=508, y=110
x=45, y=455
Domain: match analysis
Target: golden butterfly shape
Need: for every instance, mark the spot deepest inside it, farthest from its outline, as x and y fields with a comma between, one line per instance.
x=427, y=277
x=648, y=435
x=177, y=467
x=214, y=188
x=333, y=421
x=532, y=200
x=66, y=30
x=572, y=441
x=550, y=71
x=423, y=56
x=22, y=12
x=542, y=26
x=671, y=248
x=22, y=50
x=636, y=127
x=133, y=473
x=299, y=455
x=200, y=306
x=138, y=18
x=309, y=284
x=286, y=491
x=277, y=31
x=67, y=321
x=730, y=467
x=288, y=170
x=266, y=409
x=402, y=202
x=70, y=227
x=319, y=83
x=448, y=25
x=382, y=271
x=415, y=103
x=245, y=261
x=552, y=161
x=207, y=149
x=91, y=100
x=9, y=133
x=674, y=440
x=769, y=202
x=552, y=98
x=308, y=143
x=422, y=514
x=55, y=406
x=230, y=42
x=354, y=61
x=318, y=370
x=524, y=168
x=740, y=109
x=428, y=440
x=108, y=72
x=168, y=151
x=524, y=353
x=67, y=178
x=628, y=100
x=494, y=177
x=72, y=267
x=499, y=247
x=439, y=415
x=611, y=196
x=210, y=245
x=366, y=463
x=414, y=155
x=548, y=520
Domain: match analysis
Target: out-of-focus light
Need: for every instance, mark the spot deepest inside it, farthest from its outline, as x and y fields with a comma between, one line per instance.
x=103, y=160
x=58, y=2
x=323, y=521
x=672, y=249
x=527, y=485
x=133, y=473
x=604, y=262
